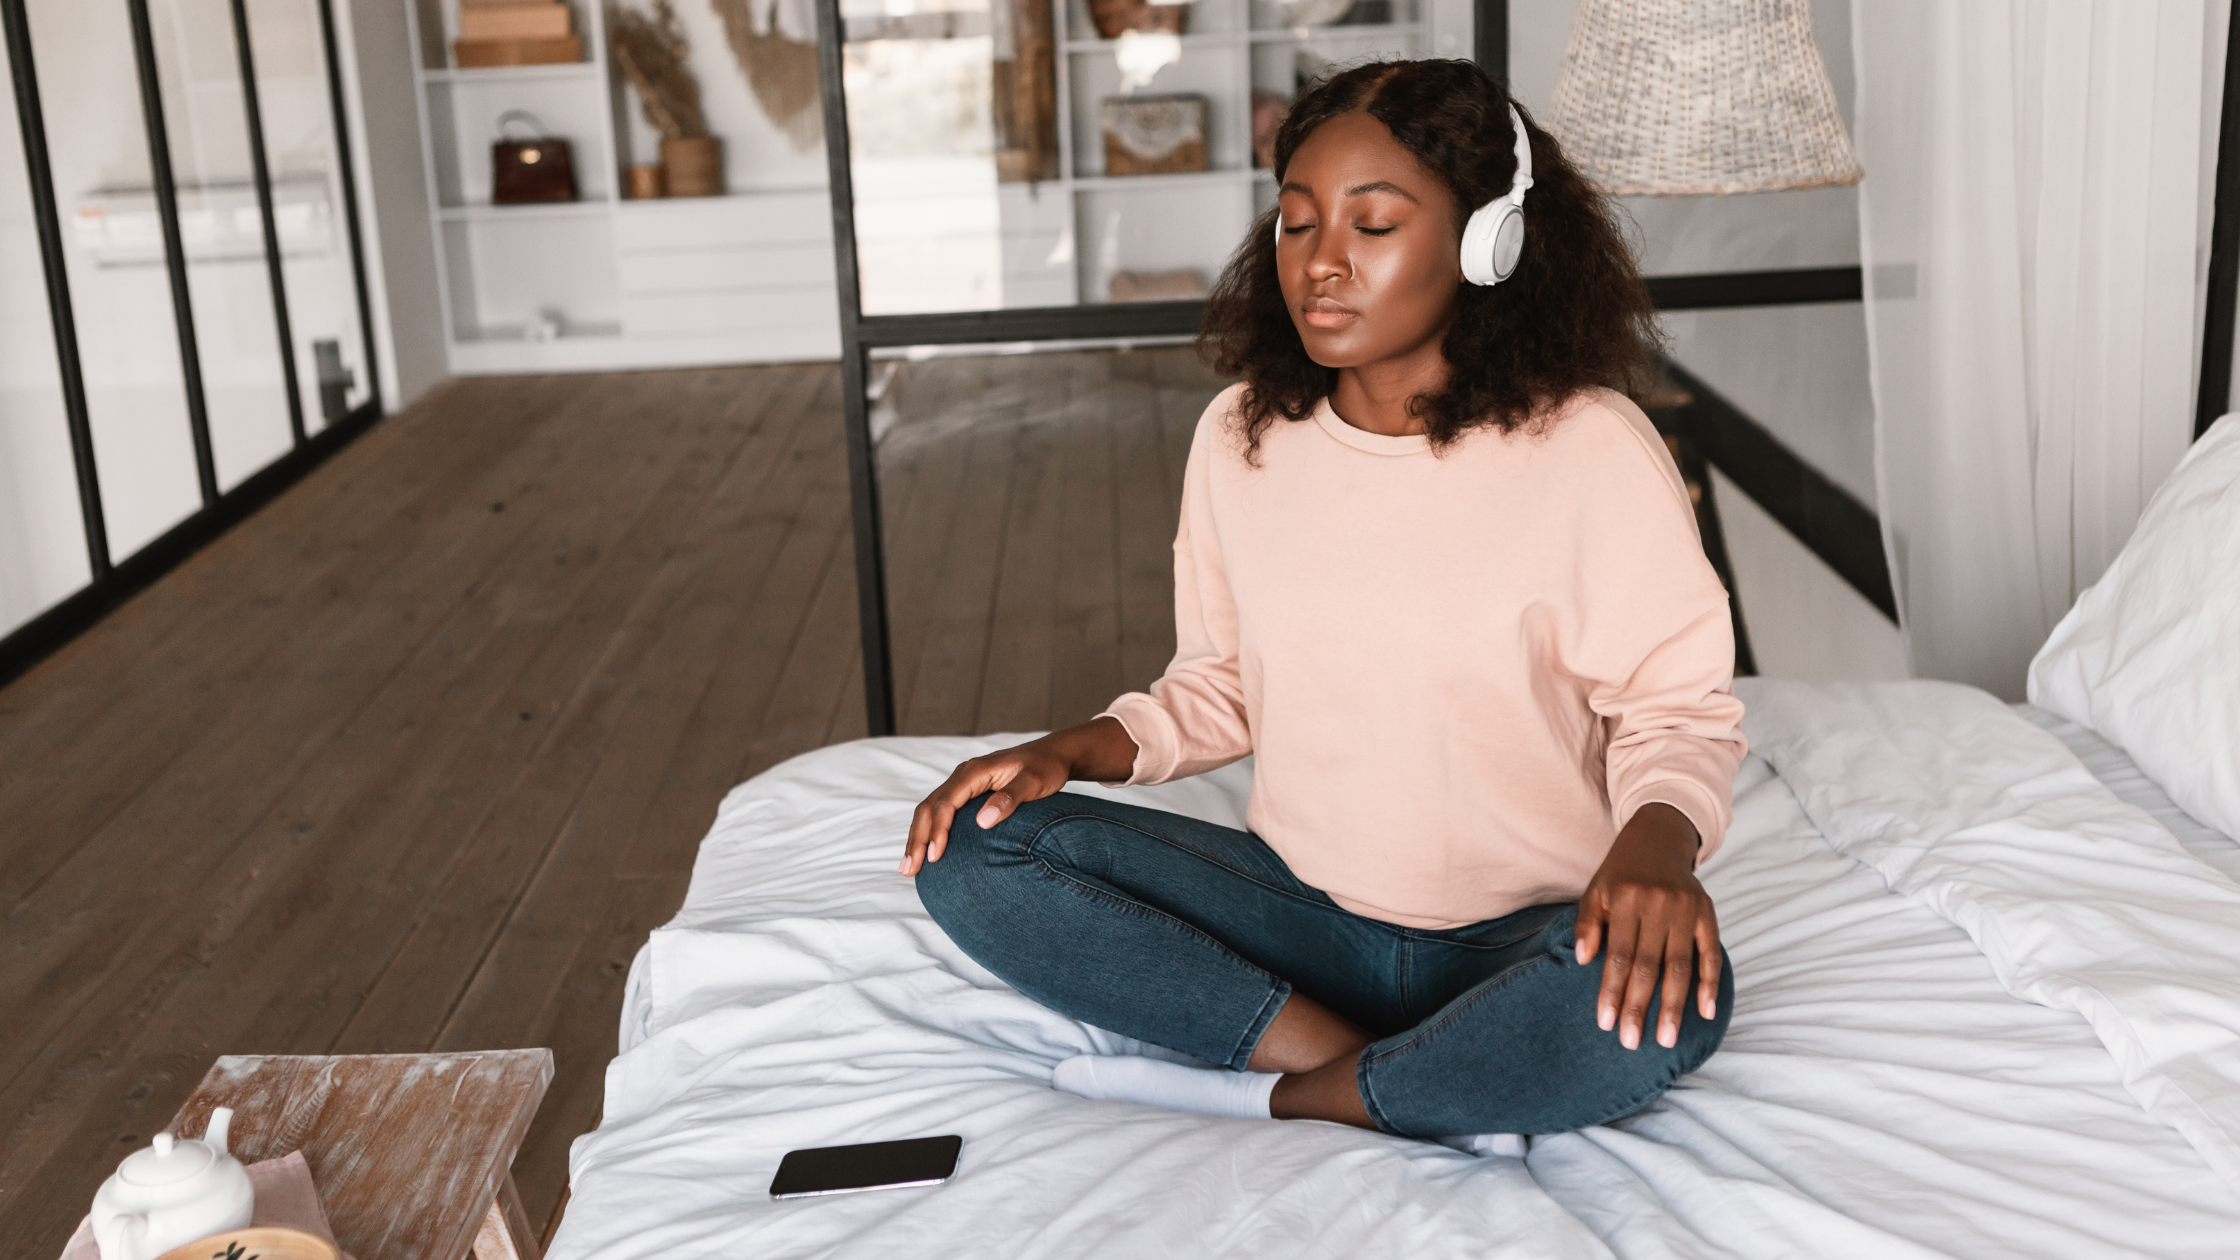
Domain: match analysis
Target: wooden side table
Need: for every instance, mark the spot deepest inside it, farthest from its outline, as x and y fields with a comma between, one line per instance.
x=412, y=1153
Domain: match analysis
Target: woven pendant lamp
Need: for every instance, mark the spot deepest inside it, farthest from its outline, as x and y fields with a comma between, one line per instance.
x=1681, y=98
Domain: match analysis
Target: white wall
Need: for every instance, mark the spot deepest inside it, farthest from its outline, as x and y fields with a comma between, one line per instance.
x=376, y=50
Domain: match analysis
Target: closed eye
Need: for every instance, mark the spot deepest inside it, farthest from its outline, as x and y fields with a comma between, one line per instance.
x=1383, y=231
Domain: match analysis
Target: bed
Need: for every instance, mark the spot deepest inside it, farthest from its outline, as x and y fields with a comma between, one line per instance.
x=1987, y=1004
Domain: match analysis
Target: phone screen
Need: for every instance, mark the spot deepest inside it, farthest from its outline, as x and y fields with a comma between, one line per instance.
x=868, y=1166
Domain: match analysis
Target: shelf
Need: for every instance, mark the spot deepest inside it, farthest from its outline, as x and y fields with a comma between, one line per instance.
x=484, y=212
x=1103, y=183
x=513, y=74
x=1358, y=30
x=654, y=205
x=1207, y=39
x=1273, y=35
x=576, y=335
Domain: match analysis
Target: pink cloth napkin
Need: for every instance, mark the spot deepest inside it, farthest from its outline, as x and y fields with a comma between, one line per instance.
x=285, y=1198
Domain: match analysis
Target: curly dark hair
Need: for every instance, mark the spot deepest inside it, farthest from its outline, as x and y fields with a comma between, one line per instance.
x=1574, y=314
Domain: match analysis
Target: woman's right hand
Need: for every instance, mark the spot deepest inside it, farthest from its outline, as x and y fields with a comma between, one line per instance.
x=1098, y=749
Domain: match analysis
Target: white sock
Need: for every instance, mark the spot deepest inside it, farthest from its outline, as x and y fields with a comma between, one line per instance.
x=1156, y=1083
x=1502, y=1145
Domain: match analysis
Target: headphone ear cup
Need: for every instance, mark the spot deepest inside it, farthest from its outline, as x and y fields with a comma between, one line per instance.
x=1492, y=242
x=1508, y=242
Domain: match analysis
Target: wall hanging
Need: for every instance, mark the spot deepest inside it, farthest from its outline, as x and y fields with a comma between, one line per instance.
x=775, y=42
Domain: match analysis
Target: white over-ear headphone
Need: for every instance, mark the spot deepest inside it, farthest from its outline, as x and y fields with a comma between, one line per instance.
x=1493, y=240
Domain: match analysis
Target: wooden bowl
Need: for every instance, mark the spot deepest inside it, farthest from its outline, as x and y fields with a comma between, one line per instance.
x=259, y=1243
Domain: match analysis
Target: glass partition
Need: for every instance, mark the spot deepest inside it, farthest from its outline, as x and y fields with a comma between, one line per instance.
x=237, y=333
x=307, y=200
x=42, y=536
x=1068, y=176
x=1030, y=503
x=128, y=339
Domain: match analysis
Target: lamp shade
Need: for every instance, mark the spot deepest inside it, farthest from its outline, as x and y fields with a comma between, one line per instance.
x=1693, y=97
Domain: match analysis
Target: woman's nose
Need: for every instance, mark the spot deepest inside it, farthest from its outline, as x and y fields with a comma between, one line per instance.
x=1328, y=262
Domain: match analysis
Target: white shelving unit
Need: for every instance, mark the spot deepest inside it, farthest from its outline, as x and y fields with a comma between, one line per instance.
x=1230, y=49
x=741, y=278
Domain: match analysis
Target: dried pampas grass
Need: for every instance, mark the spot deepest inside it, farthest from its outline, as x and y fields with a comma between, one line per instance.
x=652, y=51
x=782, y=73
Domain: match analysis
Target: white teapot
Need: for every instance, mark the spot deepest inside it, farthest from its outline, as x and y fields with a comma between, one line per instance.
x=172, y=1193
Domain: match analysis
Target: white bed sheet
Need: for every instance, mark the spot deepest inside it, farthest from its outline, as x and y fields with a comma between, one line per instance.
x=1879, y=1094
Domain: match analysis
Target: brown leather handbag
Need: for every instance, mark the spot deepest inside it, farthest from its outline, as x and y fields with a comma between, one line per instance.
x=532, y=168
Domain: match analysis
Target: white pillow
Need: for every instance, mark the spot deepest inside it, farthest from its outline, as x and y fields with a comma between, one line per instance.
x=2150, y=656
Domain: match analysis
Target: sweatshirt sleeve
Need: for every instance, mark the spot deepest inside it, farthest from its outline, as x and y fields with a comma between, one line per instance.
x=1193, y=718
x=1655, y=640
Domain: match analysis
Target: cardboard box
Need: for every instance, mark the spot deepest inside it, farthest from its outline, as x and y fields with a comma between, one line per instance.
x=520, y=21
x=476, y=54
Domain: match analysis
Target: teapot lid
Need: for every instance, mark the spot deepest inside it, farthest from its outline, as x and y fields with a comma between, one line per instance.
x=168, y=1162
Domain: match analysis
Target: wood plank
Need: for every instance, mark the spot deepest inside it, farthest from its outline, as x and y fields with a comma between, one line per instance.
x=86, y=924
x=517, y=835
x=1085, y=629
x=944, y=696
x=145, y=699
x=1015, y=664
x=928, y=451
x=296, y=873
x=1146, y=511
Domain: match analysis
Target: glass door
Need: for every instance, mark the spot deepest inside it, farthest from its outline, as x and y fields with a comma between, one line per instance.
x=309, y=201
x=1032, y=199
x=222, y=222
x=43, y=554
x=144, y=438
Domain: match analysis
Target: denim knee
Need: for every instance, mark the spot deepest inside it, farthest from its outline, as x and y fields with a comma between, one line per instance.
x=975, y=858
x=947, y=885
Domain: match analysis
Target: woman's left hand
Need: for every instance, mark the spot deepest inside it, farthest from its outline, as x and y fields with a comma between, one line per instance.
x=1646, y=905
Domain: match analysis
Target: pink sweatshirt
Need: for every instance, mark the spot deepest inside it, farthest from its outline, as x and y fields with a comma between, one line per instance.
x=1460, y=673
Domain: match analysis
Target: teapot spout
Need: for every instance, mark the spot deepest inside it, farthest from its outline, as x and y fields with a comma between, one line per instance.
x=214, y=1137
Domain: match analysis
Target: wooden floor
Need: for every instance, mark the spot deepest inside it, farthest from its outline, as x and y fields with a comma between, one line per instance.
x=416, y=757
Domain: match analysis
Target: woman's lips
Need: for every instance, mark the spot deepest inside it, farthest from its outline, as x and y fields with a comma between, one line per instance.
x=1324, y=313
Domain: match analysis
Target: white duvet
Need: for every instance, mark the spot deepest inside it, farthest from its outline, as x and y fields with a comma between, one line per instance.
x=1882, y=1091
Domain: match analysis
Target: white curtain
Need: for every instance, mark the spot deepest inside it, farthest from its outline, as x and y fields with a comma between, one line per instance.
x=2034, y=204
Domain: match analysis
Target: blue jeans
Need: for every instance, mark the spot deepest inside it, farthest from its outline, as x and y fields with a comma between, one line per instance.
x=1192, y=936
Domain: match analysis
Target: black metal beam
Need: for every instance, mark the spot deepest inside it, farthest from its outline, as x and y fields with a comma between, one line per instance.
x=31, y=120
x=346, y=168
x=174, y=249
x=1822, y=515
x=253, y=117
x=1105, y=322
x=1126, y=320
x=2224, y=249
x=38, y=638
x=855, y=352
x=1490, y=37
x=1796, y=286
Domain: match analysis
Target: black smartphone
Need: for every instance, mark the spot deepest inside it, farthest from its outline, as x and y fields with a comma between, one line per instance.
x=868, y=1166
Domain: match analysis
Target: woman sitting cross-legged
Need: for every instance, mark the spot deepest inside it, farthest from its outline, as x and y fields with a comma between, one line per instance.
x=1442, y=580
